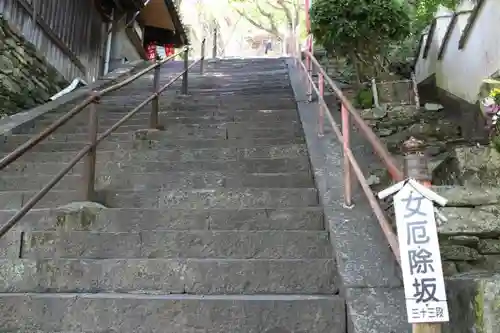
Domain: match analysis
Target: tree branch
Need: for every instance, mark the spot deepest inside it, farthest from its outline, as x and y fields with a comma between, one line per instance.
x=257, y=24
x=288, y=14
x=269, y=17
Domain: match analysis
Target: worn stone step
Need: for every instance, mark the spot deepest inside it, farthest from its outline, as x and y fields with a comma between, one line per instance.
x=169, y=276
x=170, y=133
x=171, y=313
x=136, y=165
x=177, y=155
x=54, y=146
x=79, y=128
x=213, y=198
x=177, y=244
x=170, y=180
x=178, y=198
x=87, y=216
x=14, y=200
x=290, y=125
x=255, y=104
x=108, y=119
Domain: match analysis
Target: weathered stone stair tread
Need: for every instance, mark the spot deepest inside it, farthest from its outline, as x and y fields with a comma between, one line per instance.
x=177, y=244
x=144, y=219
x=143, y=124
x=209, y=131
x=170, y=180
x=187, y=143
x=250, y=166
x=195, y=133
x=170, y=276
x=178, y=155
x=170, y=313
x=214, y=198
x=113, y=112
x=187, y=198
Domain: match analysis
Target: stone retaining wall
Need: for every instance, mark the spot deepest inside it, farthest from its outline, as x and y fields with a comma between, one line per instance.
x=467, y=175
x=26, y=79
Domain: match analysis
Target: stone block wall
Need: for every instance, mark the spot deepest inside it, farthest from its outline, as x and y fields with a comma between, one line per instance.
x=26, y=78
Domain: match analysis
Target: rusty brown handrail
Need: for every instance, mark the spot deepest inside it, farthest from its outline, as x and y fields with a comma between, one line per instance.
x=350, y=161
x=89, y=150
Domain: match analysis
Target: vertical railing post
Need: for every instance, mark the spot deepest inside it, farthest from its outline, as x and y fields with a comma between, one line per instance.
x=214, y=46
x=185, y=73
x=415, y=90
x=376, y=101
x=310, y=72
x=347, y=164
x=202, y=60
x=321, y=119
x=155, y=103
x=89, y=162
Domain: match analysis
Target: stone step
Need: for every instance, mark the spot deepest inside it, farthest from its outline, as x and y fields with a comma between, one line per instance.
x=179, y=198
x=87, y=216
x=171, y=313
x=169, y=276
x=14, y=200
x=171, y=134
x=254, y=105
x=170, y=180
x=222, y=119
x=178, y=155
x=136, y=165
x=232, y=127
x=177, y=244
x=212, y=198
x=47, y=146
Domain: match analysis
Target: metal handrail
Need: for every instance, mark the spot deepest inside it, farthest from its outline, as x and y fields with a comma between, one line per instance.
x=350, y=162
x=89, y=151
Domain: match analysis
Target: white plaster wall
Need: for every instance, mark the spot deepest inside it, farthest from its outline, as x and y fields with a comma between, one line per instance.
x=423, y=67
x=427, y=67
x=462, y=71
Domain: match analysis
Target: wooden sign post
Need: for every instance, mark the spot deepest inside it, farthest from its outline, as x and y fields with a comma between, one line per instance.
x=425, y=295
x=421, y=265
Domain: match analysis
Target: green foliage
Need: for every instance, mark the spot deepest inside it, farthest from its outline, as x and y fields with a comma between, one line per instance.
x=364, y=98
x=360, y=26
x=495, y=142
x=425, y=10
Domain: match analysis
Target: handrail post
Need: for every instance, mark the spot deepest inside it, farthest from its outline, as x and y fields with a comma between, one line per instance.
x=415, y=90
x=155, y=103
x=185, y=73
x=89, y=163
x=376, y=101
x=310, y=72
x=214, y=46
x=321, y=119
x=347, y=164
x=202, y=55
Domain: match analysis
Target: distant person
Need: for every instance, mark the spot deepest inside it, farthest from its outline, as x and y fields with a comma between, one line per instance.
x=268, y=47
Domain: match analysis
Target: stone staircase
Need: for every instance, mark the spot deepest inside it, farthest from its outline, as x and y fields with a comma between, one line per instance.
x=210, y=225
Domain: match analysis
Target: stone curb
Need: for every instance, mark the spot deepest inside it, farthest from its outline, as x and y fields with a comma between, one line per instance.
x=9, y=125
x=370, y=276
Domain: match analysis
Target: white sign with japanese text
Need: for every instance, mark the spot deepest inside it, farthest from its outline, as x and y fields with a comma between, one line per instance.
x=420, y=257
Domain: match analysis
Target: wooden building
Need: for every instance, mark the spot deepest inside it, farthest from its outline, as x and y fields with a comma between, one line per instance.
x=87, y=38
